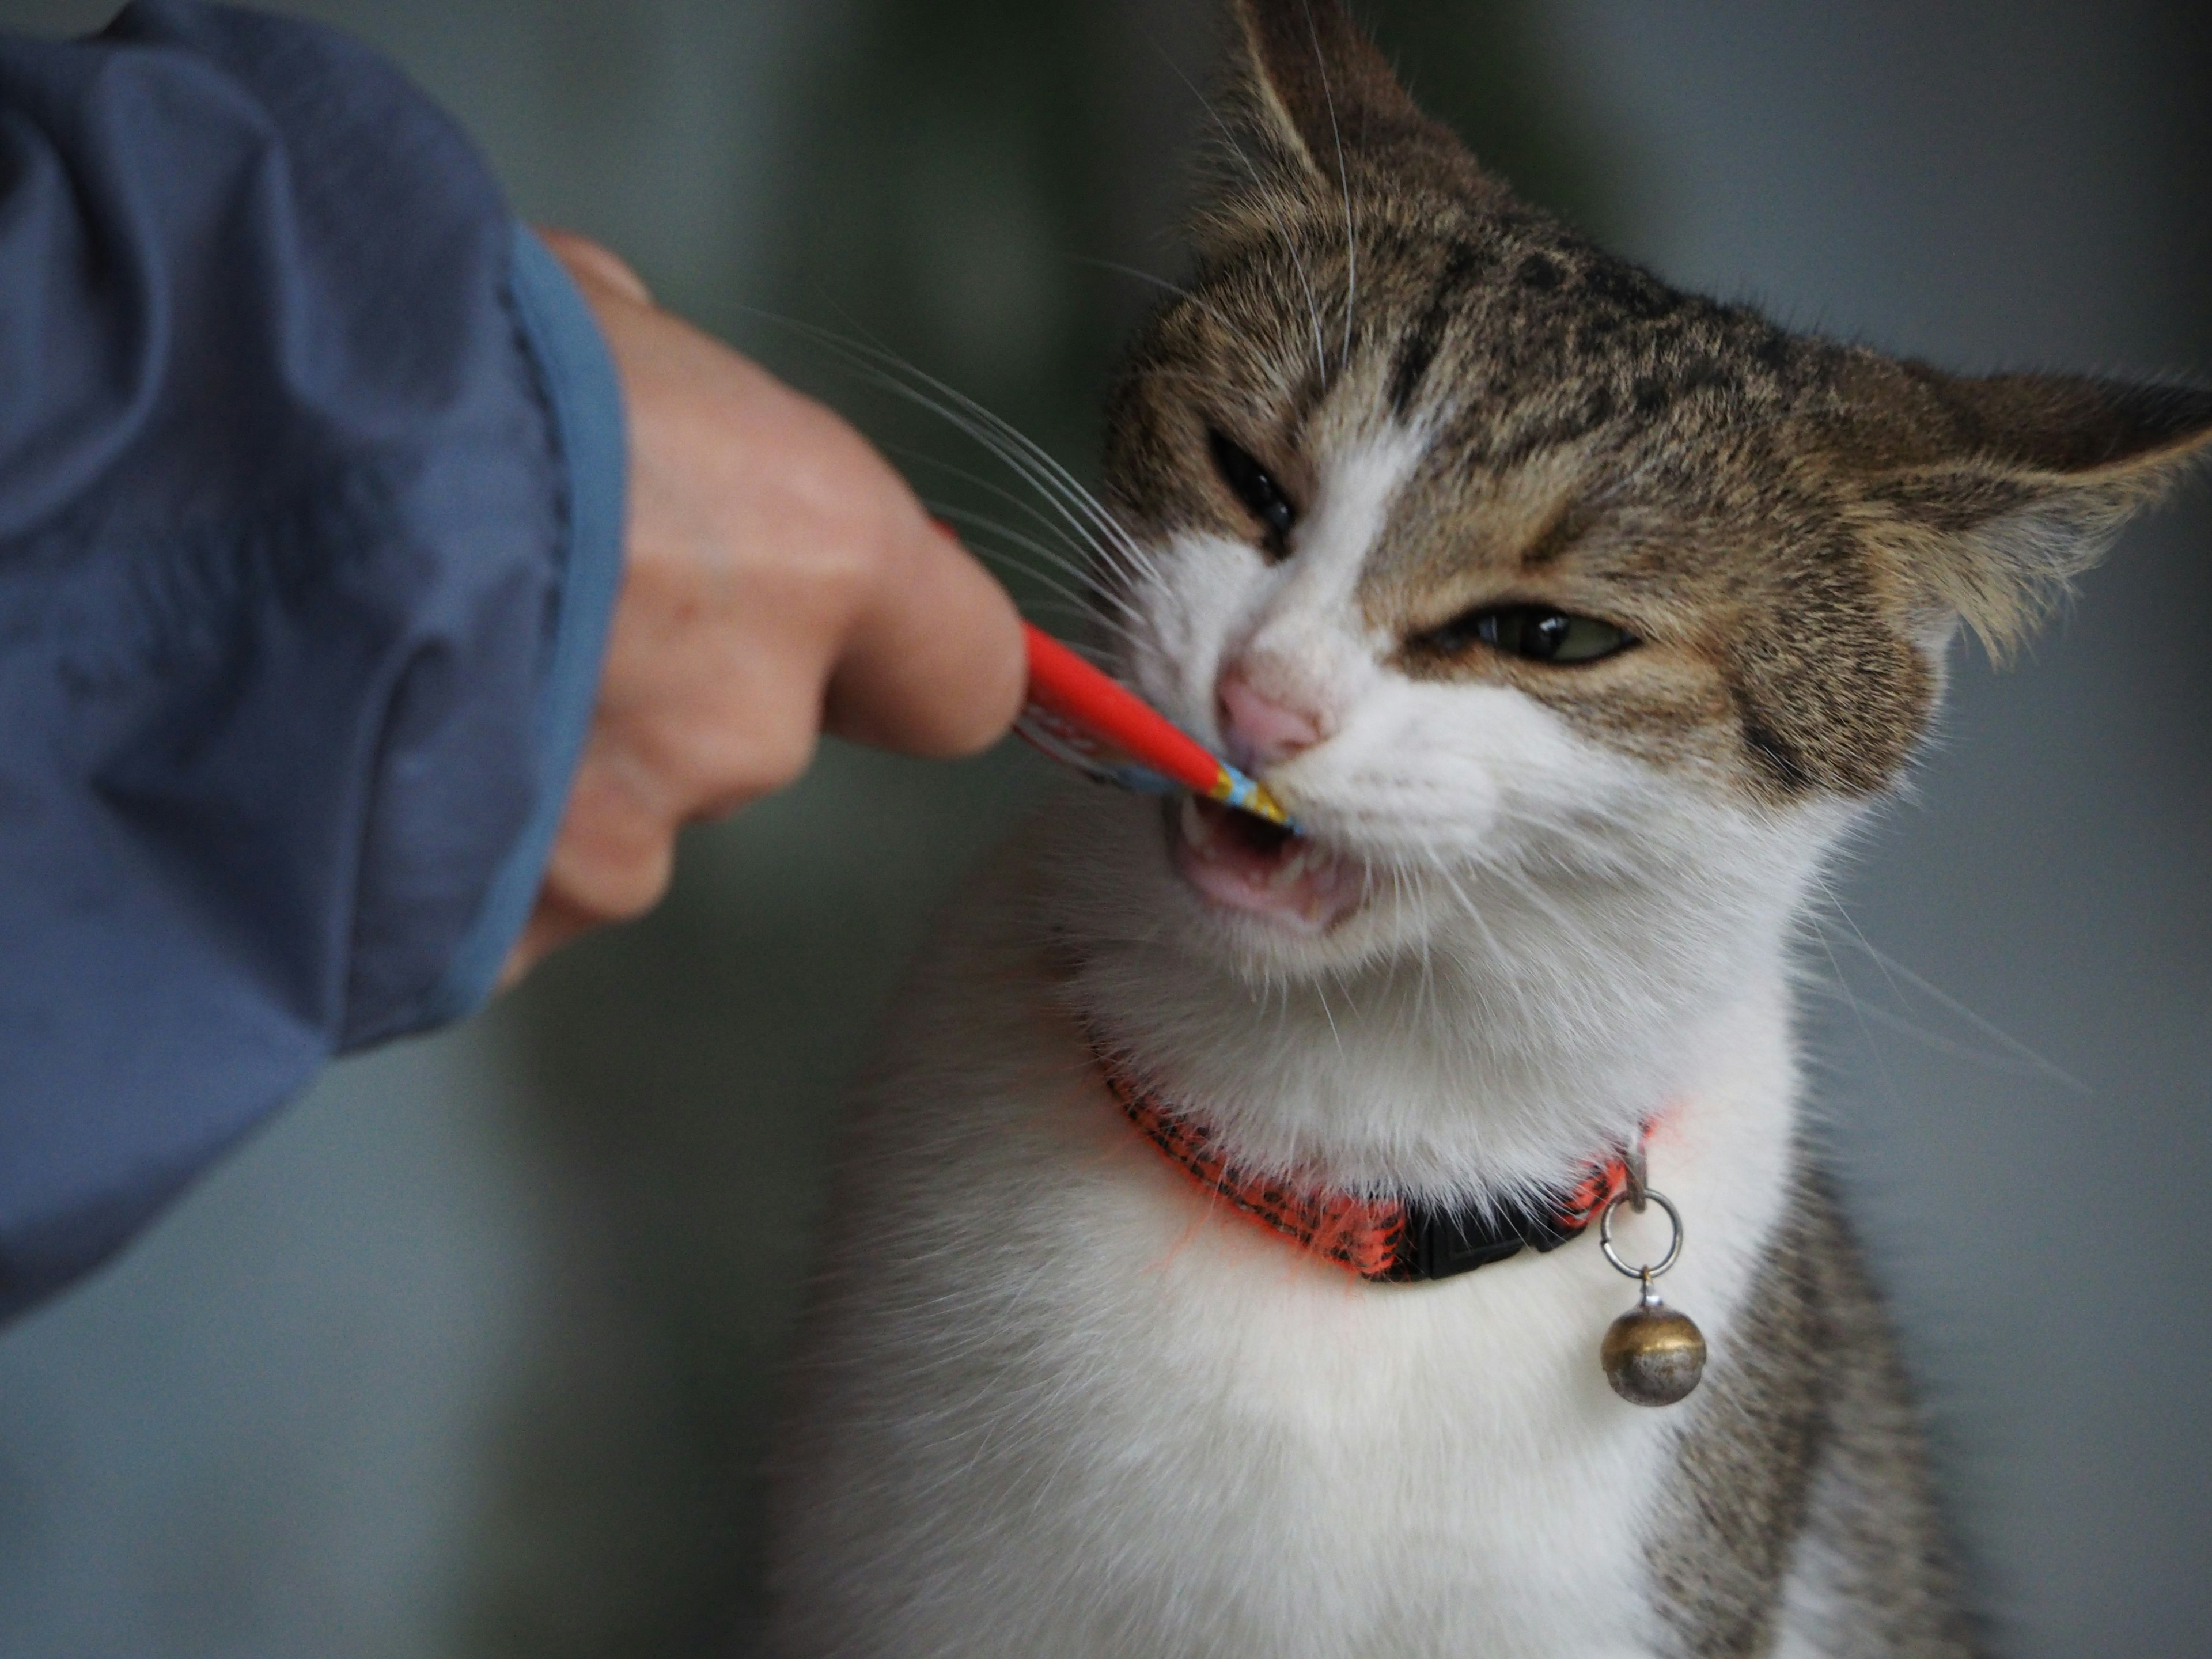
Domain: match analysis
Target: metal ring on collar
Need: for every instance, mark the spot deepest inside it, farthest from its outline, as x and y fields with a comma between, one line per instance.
x=1673, y=1248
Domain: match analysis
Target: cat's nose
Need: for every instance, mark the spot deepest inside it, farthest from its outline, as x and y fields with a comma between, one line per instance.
x=1259, y=729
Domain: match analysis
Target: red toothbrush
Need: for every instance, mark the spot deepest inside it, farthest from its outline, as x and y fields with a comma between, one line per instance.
x=1079, y=716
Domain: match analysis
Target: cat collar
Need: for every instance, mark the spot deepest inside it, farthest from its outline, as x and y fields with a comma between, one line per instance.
x=1389, y=1240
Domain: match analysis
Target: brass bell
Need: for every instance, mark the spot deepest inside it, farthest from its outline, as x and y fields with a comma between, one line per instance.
x=1652, y=1355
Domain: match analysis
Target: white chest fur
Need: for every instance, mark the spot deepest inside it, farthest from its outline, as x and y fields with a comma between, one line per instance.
x=1054, y=1403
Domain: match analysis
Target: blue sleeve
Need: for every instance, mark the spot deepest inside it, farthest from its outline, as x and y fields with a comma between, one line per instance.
x=311, y=472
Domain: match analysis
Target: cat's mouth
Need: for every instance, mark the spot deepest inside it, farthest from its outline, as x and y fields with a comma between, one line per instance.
x=1241, y=862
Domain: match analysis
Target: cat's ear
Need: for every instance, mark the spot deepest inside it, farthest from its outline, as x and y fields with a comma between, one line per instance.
x=2010, y=485
x=1313, y=90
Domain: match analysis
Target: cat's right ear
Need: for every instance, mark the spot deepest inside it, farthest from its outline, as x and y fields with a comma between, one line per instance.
x=1316, y=96
x=2006, y=486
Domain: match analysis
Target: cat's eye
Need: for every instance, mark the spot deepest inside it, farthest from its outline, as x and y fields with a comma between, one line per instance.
x=1263, y=498
x=1535, y=633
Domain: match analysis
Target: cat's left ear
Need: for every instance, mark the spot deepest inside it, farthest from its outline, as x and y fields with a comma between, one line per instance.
x=1313, y=90
x=2010, y=485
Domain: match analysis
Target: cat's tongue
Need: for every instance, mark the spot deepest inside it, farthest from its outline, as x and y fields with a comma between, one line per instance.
x=1244, y=863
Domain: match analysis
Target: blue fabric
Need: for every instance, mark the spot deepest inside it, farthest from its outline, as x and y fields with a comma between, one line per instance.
x=585, y=401
x=310, y=514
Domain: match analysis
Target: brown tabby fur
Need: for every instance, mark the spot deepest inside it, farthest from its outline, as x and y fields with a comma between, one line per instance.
x=1806, y=1438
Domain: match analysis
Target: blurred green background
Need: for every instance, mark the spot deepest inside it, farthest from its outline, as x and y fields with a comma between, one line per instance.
x=473, y=1354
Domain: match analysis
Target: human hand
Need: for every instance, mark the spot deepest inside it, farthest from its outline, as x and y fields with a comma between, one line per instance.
x=780, y=580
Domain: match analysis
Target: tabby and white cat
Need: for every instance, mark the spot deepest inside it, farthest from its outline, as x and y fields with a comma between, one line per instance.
x=1577, y=620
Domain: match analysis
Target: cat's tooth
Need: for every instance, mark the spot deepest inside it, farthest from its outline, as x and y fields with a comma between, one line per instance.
x=1292, y=867
x=1193, y=824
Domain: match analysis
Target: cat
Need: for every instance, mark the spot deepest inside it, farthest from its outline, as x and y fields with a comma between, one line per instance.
x=1577, y=621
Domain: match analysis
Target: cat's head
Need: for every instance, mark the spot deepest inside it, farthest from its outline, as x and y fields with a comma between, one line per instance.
x=1539, y=591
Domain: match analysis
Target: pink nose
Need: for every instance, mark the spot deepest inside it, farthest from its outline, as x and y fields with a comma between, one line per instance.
x=1257, y=729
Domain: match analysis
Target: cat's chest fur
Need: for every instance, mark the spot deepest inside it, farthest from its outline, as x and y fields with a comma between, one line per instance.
x=1056, y=1401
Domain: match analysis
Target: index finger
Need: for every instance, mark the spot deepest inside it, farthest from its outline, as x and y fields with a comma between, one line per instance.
x=933, y=663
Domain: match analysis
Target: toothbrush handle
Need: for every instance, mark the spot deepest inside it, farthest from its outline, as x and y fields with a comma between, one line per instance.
x=1064, y=685
x=1063, y=682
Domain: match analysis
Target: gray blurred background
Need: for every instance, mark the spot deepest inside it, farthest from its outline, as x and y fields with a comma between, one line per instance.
x=470, y=1354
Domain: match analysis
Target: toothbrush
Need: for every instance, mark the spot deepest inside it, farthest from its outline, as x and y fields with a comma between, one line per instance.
x=1080, y=717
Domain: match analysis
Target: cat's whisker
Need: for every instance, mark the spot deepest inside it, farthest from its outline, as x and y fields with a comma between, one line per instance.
x=1143, y=276
x=1117, y=544
x=1559, y=992
x=1008, y=443
x=1438, y=867
x=1113, y=550
x=1076, y=615
x=1344, y=179
x=1425, y=983
x=1892, y=970
x=1073, y=508
x=1858, y=1014
x=1108, y=600
x=1092, y=591
x=1075, y=548
x=1275, y=211
x=995, y=446
x=1321, y=997
x=1344, y=985
x=1072, y=603
x=1042, y=460
x=1073, y=565
x=1988, y=1059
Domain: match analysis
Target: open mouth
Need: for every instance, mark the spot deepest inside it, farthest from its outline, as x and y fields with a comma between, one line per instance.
x=1244, y=863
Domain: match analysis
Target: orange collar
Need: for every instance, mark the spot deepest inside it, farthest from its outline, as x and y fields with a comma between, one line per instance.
x=1389, y=1240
